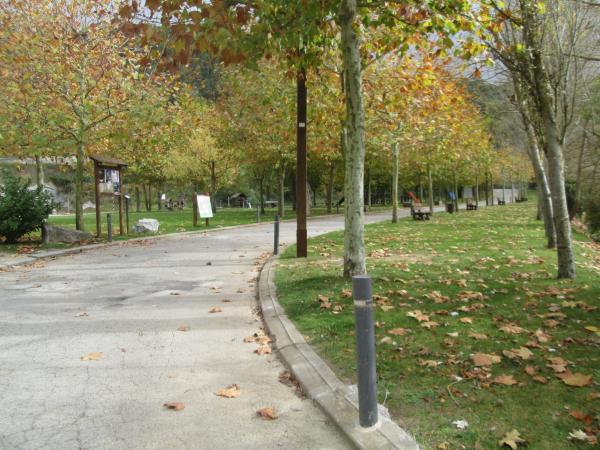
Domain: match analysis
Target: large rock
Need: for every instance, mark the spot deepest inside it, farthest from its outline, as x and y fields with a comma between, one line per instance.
x=52, y=233
x=144, y=225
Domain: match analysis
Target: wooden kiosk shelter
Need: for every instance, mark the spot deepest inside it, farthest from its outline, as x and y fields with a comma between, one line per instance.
x=103, y=187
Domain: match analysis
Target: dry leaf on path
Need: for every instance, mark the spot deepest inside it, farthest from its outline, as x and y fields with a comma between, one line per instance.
x=399, y=331
x=267, y=413
x=175, y=406
x=263, y=350
x=93, y=356
x=575, y=379
x=512, y=439
x=215, y=309
x=231, y=391
x=184, y=328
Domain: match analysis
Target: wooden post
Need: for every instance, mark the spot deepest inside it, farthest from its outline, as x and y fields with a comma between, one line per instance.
x=97, y=183
x=195, y=209
x=301, y=233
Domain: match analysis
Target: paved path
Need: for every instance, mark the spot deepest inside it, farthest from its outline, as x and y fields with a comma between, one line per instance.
x=127, y=302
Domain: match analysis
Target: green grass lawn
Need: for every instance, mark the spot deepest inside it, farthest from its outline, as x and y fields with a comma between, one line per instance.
x=469, y=315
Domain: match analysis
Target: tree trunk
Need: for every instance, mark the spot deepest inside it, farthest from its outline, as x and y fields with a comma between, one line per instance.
x=492, y=188
x=395, y=184
x=544, y=197
x=149, y=207
x=158, y=199
x=455, y=188
x=556, y=173
x=487, y=190
x=261, y=195
x=477, y=188
x=213, y=187
x=430, y=188
x=368, y=189
x=330, y=186
x=39, y=172
x=310, y=199
x=281, y=202
x=137, y=199
x=79, y=225
x=354, y=245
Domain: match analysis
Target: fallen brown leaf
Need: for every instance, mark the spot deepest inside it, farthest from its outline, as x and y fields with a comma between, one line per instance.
x=267, y=413
x=575, y=379
x=176, y=406
x=231, y=391
x=263, y=350
x=93, y=356
x=215, y=309
x=478, y=336
x=399, y=331
x=485, y=359
x=506, y=380
x=184, y=328
x=512, y=439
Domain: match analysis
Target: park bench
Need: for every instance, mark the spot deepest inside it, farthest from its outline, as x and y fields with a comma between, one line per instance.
x=418, y=214
x=471, y=206
x=501, y=202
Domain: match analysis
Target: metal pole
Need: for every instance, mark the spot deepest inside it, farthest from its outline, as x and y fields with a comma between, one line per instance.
x=109, y=227
x=365, y=350
x=276, y=243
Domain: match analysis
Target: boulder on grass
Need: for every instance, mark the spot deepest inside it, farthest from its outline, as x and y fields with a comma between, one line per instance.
x=53, y=233
x=146, y=225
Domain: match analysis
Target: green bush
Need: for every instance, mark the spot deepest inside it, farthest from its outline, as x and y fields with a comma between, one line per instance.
x=592, y=217
x=22, y=210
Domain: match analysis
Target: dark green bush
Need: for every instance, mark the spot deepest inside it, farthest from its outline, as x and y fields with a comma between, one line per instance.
x=22, y=210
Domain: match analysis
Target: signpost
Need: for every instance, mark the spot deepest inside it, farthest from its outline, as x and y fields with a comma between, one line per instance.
x=204, y=207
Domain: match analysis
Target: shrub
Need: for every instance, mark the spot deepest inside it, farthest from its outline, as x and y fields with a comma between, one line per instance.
x=22, y=210
x=592, y=217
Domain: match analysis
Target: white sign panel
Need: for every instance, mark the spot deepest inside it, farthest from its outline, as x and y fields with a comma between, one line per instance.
x=204, y=207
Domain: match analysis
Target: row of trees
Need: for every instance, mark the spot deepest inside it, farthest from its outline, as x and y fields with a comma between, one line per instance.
x=381, y=93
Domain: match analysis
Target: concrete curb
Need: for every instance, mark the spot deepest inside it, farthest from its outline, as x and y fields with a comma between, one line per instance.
x=318, y=381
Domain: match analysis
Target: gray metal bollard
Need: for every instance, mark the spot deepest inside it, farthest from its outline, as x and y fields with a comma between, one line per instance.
x=276, y=237
x=109, y=227
x=365, y=350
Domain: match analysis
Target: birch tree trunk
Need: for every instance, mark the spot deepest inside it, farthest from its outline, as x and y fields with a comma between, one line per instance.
x=354, y=245
x=544, y=197
x=213, y=186
x=540, y=84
